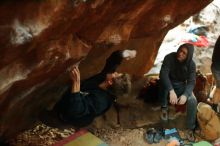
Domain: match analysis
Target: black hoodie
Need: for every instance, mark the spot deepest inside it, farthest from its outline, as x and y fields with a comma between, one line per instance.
x=216, y=55
x=93, y=103
x=173, y=71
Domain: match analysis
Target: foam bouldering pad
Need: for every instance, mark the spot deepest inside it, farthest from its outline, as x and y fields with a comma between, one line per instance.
x=202, y=143
x=81, y=138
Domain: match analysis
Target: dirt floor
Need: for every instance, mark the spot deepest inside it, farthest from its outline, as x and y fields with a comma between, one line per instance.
x=44, y=135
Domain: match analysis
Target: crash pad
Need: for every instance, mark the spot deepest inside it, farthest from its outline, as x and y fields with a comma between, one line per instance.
x=202, y=143
x=81, y=138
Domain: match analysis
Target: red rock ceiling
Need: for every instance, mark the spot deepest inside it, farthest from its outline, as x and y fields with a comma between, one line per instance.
x=40, y=39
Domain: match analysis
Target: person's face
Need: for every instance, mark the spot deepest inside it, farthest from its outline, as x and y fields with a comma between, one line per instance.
x=114, y=75
x=182, y=54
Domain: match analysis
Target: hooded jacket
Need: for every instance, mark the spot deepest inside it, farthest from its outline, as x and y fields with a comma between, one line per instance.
x=216, y=55
x=173, y=71
x=81, y=108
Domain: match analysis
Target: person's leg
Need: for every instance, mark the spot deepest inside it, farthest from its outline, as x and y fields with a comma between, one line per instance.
x=191, y=117
x=163, y=96
x=191, y=112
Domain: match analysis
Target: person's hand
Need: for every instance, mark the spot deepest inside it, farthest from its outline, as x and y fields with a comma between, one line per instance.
x=182, y=100
x=129, y=54
x=173, y=97
x=75, y=76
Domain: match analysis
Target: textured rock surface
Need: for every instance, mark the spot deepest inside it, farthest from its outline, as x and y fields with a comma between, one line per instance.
x=41, y=39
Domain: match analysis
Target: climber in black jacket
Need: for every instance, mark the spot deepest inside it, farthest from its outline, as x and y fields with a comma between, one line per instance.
x=82, y=103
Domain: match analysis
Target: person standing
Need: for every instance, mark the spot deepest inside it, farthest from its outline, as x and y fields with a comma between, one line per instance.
x=215, y=68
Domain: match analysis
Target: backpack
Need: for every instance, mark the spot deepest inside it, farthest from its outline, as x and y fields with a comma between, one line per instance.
x=208, y=121
x=150, y=91
x=202, y=87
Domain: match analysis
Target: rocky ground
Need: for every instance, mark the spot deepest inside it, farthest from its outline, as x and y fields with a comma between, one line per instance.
x=43, y=135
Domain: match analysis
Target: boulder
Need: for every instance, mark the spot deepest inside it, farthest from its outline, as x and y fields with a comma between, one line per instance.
x=41, y=40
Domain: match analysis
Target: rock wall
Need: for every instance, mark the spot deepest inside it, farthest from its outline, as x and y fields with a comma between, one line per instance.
x=40, y=40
